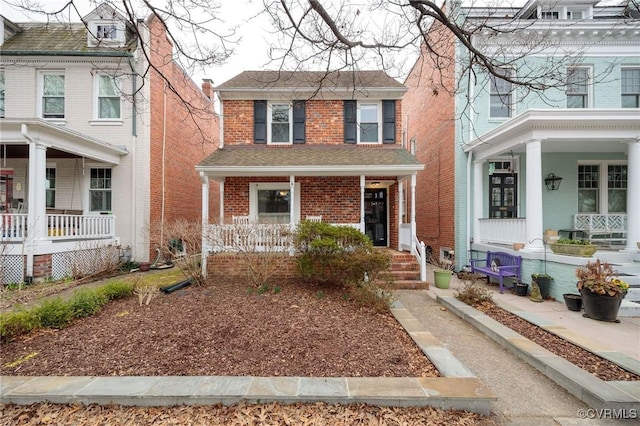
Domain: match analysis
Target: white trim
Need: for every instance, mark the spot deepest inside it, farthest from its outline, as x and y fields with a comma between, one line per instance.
x=603, y=182
x=589, y=84
x=512, y=94
x=96, y=96
x=40, y=96
x=92, y=35
x=378, y=106
x=270, y=105
x=285, y=186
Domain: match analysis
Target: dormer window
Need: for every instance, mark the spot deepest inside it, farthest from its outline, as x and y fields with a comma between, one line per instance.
x=106, y=31
x=549, y=15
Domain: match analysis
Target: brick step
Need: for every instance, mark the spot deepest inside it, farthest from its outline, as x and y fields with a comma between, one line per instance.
x=405, y=275
x=409, y=285
x=405, y=266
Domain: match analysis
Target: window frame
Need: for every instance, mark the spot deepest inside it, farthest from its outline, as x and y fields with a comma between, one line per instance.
x=587, y=95
x=48, y=188
x=41, y=95
x=270, y=109
x=254, y=187
x=636, y=94
x=108, y=191
x=360, y=105
x=97, y=97
x=495, y=92
x=602, y=195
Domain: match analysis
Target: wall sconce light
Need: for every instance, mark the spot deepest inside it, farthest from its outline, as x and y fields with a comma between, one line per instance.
x=552, y=181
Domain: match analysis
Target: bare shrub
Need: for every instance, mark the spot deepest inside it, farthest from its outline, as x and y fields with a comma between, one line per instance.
x=474, y=295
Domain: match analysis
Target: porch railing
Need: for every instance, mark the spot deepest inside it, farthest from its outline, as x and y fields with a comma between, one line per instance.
x=249, y=237
x=13, y=227
x=502, y=231
x=611, y=227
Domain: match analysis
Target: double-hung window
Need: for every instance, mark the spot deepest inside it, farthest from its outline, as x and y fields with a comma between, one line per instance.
x=280, y=128
x=369, y=123
x=108, y=97
x=52, y=90
x=588, y=188
x=100, y=189
x=501, y=95
x=279, y=122
x=50, y=187
x=630, y=87
x=578, y=87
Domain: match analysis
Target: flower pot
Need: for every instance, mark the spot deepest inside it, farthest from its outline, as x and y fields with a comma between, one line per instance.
x=583, y=250
x=522, y=289
x=144, y=266
x=601, y=307
x=518, y=246
x=545, y=284
x=442, y=278
x=573, y=301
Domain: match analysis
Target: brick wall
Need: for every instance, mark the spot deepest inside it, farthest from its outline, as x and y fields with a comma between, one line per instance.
x=429, y=105
x=182, y=133
x=42, y=266
x=232, y=266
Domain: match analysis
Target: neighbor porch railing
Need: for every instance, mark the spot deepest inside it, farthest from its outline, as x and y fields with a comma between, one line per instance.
x=611, y=227
x=502, y=231
x=13, y=227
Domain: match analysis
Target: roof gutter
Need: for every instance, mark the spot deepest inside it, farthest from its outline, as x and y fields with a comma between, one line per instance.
x=114, y=54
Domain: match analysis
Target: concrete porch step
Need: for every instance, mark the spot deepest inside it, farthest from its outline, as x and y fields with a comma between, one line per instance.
x=629, y=308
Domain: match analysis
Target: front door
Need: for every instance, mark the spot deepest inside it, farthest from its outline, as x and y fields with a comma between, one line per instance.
x=502, y=196
x=375, y=215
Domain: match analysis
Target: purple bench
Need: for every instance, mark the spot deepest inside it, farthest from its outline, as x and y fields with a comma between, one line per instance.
x=499, y=265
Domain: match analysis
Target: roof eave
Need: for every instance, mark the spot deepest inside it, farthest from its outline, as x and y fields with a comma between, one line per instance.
x=305, y=170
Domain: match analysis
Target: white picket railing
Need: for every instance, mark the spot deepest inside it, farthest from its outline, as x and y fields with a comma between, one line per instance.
x=13, y=227
x=502, y=231
x=248, y=237
x=611, y=227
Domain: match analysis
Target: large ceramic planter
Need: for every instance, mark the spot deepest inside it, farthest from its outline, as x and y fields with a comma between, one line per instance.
x=544, y=283
x=574, y=249
x=442, y=278
x=601, y=307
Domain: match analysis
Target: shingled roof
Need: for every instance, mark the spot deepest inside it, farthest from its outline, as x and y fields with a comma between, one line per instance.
x=38, y=38
x=236, y=160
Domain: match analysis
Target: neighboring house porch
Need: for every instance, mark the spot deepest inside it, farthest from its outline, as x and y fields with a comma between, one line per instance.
x=270, y=189
x=55, y=202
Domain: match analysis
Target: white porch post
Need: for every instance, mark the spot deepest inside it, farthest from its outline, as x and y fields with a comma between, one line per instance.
x=295, y=215
x=533, y=221
x=205, y=222
x=362, y=183
x=633, y=196
x=400, y=210
x=478, y=199
x=413, y=206
x=36, y=200
x=221, y=213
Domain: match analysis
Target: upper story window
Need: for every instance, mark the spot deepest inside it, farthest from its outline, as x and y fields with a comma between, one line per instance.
x=100, y=189
x=108, y=97
x=1, y=93
x=52, y=87
x=370, y=122
x=107, y=32
x=279, y=122
x=578, y=87
x=550, y=15
x=565, y=12
x=501, y=96
x=630, y=90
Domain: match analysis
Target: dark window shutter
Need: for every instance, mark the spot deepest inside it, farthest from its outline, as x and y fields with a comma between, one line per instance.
x=260, y=121
x=350, y=122
x=389, y=121
x=298, y=122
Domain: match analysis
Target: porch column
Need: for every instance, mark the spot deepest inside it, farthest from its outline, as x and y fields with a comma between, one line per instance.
x=362, y=183
x=221, y=194
x=205, y=222
x=292, y=188
x=37, y=209
x=633, y=196
x=413, y=207
x=478, y=199
x=400, y=209
x=533, y=221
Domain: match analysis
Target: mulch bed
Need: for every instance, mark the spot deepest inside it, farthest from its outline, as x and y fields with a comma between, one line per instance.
x=594, y=364
x=224, y=329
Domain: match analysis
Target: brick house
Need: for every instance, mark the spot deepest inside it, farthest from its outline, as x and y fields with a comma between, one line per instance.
x=566, y=160
x=297, y=145
x=97, y=149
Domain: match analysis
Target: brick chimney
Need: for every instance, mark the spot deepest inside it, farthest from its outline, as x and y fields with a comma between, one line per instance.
x=206, y=87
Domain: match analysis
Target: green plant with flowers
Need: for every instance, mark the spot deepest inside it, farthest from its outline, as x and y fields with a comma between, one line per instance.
x=600, y=278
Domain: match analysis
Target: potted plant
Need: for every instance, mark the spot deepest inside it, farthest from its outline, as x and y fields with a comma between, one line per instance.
x=521, y=288
x=602, y=291
x=544, y=283
x=573, y=301
x=443, y=272
x=569, y=247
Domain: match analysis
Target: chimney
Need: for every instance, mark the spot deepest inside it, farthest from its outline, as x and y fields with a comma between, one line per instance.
x=206, y=87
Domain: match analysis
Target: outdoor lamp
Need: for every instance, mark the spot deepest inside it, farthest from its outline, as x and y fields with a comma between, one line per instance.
x=552, y=181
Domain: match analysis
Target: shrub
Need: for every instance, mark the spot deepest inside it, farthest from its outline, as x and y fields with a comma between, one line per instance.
x=474, y=295
x=369, y=295
x=18, y=322
x=336, y=255
x=87, y=302
x=116, y=290
x=54, y=313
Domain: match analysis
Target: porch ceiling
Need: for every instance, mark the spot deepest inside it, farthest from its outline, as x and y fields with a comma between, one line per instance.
x=60, y=139
x=309, y=160
x=561, y=130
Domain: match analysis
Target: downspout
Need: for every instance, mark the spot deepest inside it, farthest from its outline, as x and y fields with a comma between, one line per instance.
x=164, y=143
x=469, y=192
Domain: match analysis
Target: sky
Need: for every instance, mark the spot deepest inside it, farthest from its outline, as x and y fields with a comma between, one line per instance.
x=250, y=53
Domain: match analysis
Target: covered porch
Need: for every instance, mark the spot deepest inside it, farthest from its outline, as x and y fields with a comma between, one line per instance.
x=266, y=191
x=48, y=203
x=515, y=191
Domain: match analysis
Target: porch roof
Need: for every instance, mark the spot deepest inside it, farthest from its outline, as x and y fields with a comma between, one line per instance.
x=59, y=138
x=561, y=130
x=309, y=160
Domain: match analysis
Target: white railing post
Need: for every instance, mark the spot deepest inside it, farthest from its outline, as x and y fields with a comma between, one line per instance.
x=423, y=262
